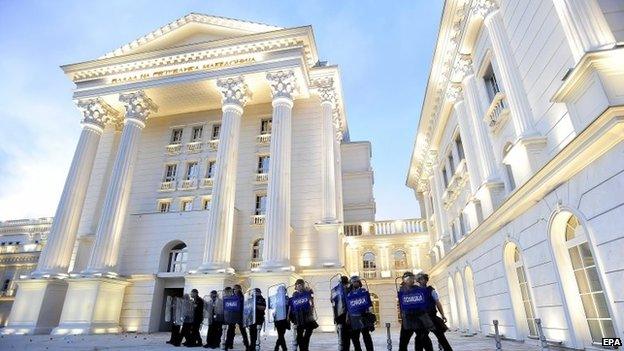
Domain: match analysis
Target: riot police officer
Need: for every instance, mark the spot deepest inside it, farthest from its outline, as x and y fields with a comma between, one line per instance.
x=214, y=313
x=339, y=305
x=302, y=314
x=415, y=302
x=360, y=318
x=238, y=320
x=440, y=327
x=260, y=307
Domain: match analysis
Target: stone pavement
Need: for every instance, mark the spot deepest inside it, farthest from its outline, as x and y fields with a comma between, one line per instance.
x=320, y=341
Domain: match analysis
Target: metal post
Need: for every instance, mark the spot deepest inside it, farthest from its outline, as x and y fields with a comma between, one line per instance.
x=540, y=333
x=497, y=336
x=389, y=337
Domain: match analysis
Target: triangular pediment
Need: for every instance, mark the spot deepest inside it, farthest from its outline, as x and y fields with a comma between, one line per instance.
x=191, y=29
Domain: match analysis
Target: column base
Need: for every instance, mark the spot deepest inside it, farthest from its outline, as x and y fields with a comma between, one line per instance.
x=329, y=242
x=490, y=196
x=204, y=283
x=37, y=306
x=92, y=306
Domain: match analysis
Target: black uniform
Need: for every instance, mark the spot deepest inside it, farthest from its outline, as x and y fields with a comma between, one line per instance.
x=341, y=321
x=253, y=329
x=231, y=330
x=416, y=320
x=361, y=324
x=215, y=328
x=194, y=338
x=304, y=320
x=440, y=326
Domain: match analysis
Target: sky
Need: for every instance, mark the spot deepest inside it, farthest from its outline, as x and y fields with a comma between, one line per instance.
x=383, y=48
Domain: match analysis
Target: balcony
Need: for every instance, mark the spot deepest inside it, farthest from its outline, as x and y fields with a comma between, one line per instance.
x=498, y=112
x=263, y=139
x=402, y=226
x=213, y=145
x=194, y=147
x=21, y=248
x=254, y=265
x=8, y=293
x=167, y=186
x=369, y=274
x=173, y=149
x=258, y=219
x=188, y=184
x=262, y=178
x=455, y=186
x=206, y=183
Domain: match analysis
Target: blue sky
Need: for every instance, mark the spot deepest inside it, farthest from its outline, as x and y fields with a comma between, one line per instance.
x=384, y=51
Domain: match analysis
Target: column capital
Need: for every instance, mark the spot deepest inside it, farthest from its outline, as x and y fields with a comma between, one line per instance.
x=283, y=84
x=97, y=112
x=325, y=89
x=462, y=67
x=338, y=125
x=138, y=105
x=234, y=91
x=483, y=8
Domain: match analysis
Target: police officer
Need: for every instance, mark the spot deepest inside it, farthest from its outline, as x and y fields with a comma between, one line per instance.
x=302, y=313
x=280, y=319
x=215, y=321
x=253, y=329
x=360, y=323
x=231, y=327
x=194, y=338
x=340, y=318
x=415, y=304
x=439, y=323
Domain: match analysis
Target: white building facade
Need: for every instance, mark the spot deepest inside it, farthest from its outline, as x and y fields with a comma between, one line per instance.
x=519, y=164
x=213, y=152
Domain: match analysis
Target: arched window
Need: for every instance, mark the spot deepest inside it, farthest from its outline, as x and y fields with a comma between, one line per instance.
x=177, y=258
x=588, y=281
x=460, y=297
x=256, y=250
x=453, y=302
x=522, y=302
x=375, y=301
x=400, y=259
x=472, y=299
x=369, y=265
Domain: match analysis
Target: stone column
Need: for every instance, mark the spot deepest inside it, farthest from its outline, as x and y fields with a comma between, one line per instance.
x=218, y=247
x=276, y=250
x=327, y=94
x=105, y=252
x=437, y=203
x=56, y=255
x=584, y=26
x=455, y=96
x=510, y=75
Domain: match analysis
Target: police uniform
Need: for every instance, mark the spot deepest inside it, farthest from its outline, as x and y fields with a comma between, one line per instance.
x=416, y=303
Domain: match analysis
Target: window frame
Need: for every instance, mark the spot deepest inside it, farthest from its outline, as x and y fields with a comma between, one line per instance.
x=194, y=137
x=176, y=139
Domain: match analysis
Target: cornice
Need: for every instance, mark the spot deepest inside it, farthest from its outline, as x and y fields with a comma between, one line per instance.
x=247, y=44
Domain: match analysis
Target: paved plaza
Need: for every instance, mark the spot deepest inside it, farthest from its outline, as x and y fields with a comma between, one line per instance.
x=320, y=341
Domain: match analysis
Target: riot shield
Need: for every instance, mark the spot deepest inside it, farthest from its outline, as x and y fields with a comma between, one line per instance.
x=178, y=311
x=413, y=305
x=168, y=309
x=358, y=303
x=232, y=307
x=278, y=303
x=187, y=310
x=249, y=308
x=338, y=300
x=208, y=310
x=301, y=307
x=218, y=310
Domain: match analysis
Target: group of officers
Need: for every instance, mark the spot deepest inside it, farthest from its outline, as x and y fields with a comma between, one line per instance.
x=351, y=303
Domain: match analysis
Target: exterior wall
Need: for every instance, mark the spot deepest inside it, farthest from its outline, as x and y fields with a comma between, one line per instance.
x=357, y=180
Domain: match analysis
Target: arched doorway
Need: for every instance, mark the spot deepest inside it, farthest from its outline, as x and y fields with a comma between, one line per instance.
x=520, y=292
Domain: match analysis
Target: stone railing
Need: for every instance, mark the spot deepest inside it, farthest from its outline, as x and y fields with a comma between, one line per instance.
x=213, y=145
x=254, y=265
x=27, y=221
x=455, y=185
x=401, y=226
x=8, y=293
x=258, y=219
x=206, y=183
x=369, y=274
x=262, y=177
x=498, y=111
x=21, y=248
x=195, y=146
x=173, y=149
x=167, y=186
x=263, y=139
x=188, y=184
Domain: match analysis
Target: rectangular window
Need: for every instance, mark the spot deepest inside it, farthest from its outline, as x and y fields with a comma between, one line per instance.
x=451, y=163
x=186, y=205
x=216, y=130
x=260, y=205
x=263, y=164
x=206, y=204
x=170, y=172
x=460, y=148
x=197, y=133
x=163, y=206
x=191, y=171
x=265, y=126
x=445, y=177
x=210, y=169
x=491, y=85
x=462, y=225
x=176, y=136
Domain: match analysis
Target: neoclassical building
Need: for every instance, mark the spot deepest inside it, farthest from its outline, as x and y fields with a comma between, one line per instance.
x=519, y=165
x=214, y=151
x=21, y=241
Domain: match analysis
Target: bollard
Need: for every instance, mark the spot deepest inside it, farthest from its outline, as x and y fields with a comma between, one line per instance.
x=497, y=336
x=540, y=333
x=389, y=337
